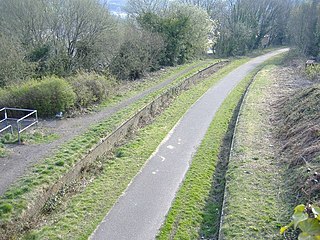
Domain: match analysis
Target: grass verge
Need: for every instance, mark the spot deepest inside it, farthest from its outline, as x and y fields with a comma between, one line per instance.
x=195, y=212
x=256, y=198
x=78, y=216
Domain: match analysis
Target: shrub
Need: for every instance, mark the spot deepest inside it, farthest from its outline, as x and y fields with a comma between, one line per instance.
x=91, y=88
x=313, y=71
x=49, y=96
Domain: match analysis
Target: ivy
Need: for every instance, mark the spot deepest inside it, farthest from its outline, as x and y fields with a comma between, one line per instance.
x=305, y=218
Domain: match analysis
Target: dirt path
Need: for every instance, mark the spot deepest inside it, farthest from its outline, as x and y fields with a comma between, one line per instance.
x=140, y=211
x=21, y=157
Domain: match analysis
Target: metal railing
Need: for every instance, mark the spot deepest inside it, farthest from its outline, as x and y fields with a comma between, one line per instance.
x=19, y=121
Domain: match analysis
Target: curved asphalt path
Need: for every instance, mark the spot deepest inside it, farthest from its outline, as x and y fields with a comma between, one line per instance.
x=141, y=210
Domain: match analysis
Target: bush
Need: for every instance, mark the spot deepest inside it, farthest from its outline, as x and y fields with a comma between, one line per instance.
x=49, y=96
x=313, y=71
x=91, y=88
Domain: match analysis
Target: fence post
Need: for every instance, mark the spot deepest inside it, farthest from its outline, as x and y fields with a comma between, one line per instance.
x=5, y=116
x=19, y=132
x=36, y=117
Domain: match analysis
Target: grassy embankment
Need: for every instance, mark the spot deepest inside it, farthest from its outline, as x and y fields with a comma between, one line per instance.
x=276, y=163
x=78, y=216
x=256, y=196
x=195, y=213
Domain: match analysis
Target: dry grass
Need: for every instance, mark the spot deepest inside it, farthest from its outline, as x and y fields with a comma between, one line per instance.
x=300, y=125
x=299, y=131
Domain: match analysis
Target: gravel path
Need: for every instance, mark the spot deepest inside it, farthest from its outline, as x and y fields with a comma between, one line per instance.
x=24, y=156
x=141, y=210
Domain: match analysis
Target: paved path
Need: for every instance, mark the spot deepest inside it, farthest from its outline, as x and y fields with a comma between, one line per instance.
x=24, y=156
x=141, y=210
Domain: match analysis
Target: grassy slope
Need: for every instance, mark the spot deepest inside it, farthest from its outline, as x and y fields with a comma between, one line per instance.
x=79, y=216
x=254, y=207
x=193, y=214
x=43, y=174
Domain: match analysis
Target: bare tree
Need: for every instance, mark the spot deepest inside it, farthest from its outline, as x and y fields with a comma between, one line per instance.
x=61, y=35
x=138, y=7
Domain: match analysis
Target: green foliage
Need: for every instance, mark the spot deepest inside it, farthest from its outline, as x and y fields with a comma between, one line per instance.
x=9, y=138
x=28, y=137
x=184, y=28
x=3, y=151
x=313, y=71
x=48, y=96
x=5, y=208
x=305, y=218
x=91, y=88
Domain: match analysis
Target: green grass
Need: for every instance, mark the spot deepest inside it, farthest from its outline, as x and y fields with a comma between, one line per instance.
x=255, y=207
x=78, y=216
x=32, y=137
x=41, y=176
x=194, y=213
x=3, y=151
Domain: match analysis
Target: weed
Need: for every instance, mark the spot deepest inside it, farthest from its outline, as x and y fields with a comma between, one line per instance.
x=5, y=208
x=313, y=71
x=3, y=151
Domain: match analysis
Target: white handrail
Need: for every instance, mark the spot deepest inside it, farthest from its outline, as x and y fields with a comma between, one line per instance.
x=19, y=120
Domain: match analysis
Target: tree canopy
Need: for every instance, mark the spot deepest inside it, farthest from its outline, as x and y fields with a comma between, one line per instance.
x=61, y=37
